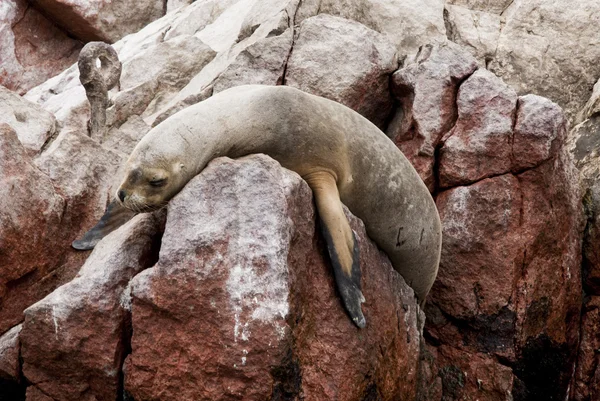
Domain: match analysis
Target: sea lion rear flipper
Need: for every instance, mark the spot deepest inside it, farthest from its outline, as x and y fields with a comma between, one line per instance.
x=341, y=244
x=115, y=216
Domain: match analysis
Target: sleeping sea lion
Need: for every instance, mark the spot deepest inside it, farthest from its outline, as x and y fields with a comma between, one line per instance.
x=343, y=157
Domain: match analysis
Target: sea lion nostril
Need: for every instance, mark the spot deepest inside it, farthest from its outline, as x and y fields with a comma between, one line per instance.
x=121, y=195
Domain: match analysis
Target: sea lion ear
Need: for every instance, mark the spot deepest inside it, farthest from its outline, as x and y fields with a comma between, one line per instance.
x=115, y=216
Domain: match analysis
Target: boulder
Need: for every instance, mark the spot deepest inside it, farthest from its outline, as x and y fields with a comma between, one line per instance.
x=550, y=48
x=10, y=347
x=592, y=107
x=74, y=340
x=102, y=20
x=408, y=24
x=241, y=303
x=495, y=7
x=477, y=31
x=30, y=216
x=32, y=48
x=479, y=145
x=509, y=283
x=34, y=126
x=344, y=61
x=12, y=387
x=426, y=88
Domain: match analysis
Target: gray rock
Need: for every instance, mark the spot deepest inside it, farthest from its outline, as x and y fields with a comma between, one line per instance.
x=344, y=61
x=10, y=347
x=477, y=31
x=408, y=24
x=550, y=48
x=33, y=125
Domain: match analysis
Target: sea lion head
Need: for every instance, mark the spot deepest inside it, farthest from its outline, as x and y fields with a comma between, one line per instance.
x=149, y=184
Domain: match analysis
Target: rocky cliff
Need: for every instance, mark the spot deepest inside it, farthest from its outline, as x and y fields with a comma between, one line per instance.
x=232, y=297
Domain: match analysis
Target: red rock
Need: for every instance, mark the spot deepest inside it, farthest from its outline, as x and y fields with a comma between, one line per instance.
x=242, y=303
x=74, y=341
x=30, y=216
x=32, y=48
x=426, y=88
x=482, y=248
x=509, y=285
x=587, y=375
x=33, y=394
x=345, y=61
x=10, y=368
x=480, y=144
x=475, y=376
x=103, y=20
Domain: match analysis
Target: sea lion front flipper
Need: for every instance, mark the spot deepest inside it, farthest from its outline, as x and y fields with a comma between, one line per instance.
x=115, y=216
x=341, y=243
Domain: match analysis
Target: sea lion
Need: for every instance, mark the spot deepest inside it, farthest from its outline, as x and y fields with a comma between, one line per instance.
x=343, y=157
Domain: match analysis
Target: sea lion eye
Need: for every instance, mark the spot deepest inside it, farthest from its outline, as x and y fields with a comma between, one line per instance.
x=158, y=182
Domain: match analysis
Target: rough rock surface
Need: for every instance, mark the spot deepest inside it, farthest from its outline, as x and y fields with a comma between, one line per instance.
x=587, y=376
x=426, y=89
x=584, y=145
x=9, y=354
x=242, y=303
x=103, y=20
x=478, y=31
x=509, y=281
x=550, y=48
x=344, y=61
x=34, y=126
x=408, y=24
x=32, y=48
x=74, y=341
x=479, y=145
x=30, y=213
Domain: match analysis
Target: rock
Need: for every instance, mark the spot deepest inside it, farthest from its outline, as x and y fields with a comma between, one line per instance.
x=74, y=341
x=584, y=145
x=509, y=281
x=102, y=20
x=344, y=61
x=30, y=216
x=587, y=376
x=84, y=181
x=479, y=145
x=421, y=22
x=33, y=394
x=466, y=375
x=426, y=89
x=540, y=130
x=550, y=48
x=477, y=31
x=10, y=367
x=32, y=48
x=495, y=7
x=33, y=125
x=173, y=5
x=241, y=303
x=171, y=63
x=261, y=63
x=467, y=287
x=592, y=107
